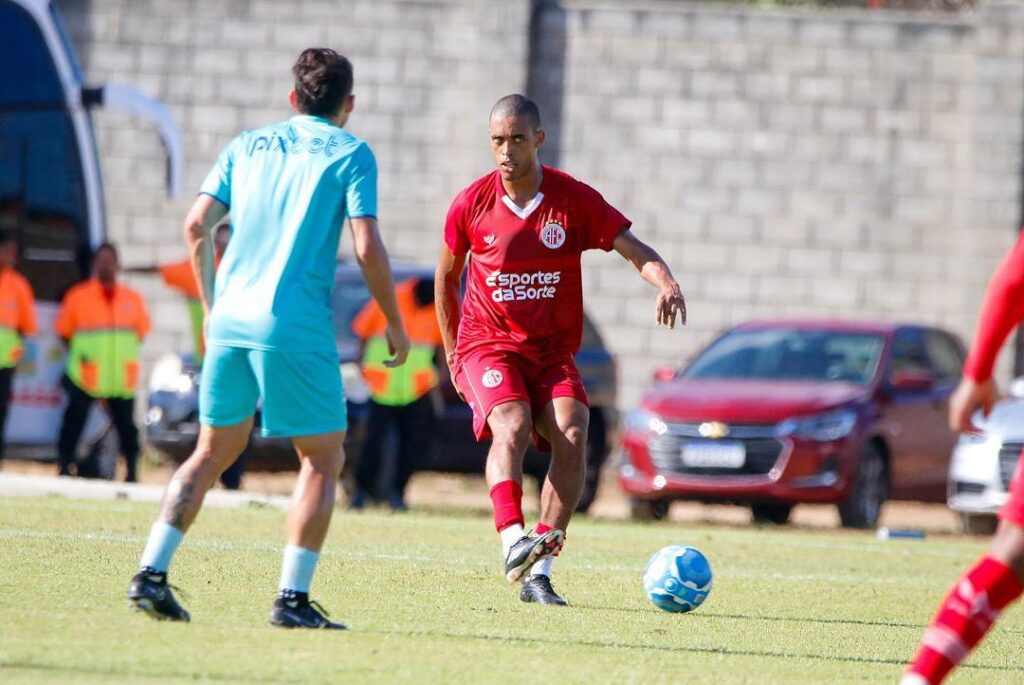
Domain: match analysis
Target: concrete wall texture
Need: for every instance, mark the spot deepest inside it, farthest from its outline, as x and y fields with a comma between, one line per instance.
x=784, y=162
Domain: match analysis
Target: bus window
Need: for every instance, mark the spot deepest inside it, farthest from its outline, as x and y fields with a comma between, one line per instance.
x=42, y=192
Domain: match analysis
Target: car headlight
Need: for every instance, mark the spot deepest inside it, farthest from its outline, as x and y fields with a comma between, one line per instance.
x=169, y=375
x=973, y=439
x=642, y=421
x=825, y=427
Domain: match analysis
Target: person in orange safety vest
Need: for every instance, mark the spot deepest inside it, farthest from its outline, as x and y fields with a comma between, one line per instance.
x=103, y=323
x=400, y=396
x=179, y=276
x=17, y=319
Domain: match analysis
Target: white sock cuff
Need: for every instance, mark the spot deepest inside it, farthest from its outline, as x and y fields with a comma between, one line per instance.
x=510, y=536
x=542, y=567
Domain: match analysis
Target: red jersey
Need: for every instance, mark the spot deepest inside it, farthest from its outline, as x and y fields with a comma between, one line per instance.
x=524, y=290
x=1001, y=312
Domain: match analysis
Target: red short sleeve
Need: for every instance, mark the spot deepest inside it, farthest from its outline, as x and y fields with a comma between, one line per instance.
x=1001, y=311
x=604, y=222
x=456, y=231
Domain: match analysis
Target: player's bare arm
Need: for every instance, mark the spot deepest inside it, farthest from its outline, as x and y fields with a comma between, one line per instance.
x=205, y=214
x=653, y=269
x=1002, y=310
x=969, y=396
x=446, y=297
x=372, y=257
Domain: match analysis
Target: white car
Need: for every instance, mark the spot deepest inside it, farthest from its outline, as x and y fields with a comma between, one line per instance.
x=983, y=463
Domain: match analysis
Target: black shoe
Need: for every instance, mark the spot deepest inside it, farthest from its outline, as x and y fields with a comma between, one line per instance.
x=150, y=592
x=528, y=550
x=537, y=588
x=301, y=613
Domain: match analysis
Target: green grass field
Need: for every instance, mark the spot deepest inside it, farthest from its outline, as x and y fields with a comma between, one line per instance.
x=425, y=601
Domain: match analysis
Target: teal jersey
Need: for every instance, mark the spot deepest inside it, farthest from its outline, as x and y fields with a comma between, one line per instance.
x=289, y=188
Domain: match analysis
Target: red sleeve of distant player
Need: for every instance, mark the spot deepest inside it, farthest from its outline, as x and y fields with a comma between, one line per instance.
x=1001, y=312
x=604, y=222
x=456, y=232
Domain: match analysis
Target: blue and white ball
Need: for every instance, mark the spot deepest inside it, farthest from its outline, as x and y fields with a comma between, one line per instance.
x=677, y=578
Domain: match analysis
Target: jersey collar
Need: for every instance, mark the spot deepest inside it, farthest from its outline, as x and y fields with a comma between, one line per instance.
x=521, y=212
x=312, y=119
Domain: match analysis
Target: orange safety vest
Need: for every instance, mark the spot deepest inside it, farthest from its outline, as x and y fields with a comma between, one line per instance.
x=407, y=383
x=17, y=316
x=104, y=334
x=181, y=277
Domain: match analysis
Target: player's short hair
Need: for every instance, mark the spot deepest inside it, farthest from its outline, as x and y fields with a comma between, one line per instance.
x=518, y=106
x=323, y=79
x=105, y=246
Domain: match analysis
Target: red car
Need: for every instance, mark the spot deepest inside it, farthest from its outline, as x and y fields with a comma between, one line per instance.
x=776, y=413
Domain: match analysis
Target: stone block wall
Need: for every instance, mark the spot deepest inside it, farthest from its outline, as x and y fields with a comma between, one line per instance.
x=785, y=162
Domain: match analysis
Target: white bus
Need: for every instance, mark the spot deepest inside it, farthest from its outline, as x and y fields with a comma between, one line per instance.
x=51, y=198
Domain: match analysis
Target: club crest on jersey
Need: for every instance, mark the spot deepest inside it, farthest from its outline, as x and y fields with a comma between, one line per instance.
x=552, y=235
x=489, y=239
x=492, y=378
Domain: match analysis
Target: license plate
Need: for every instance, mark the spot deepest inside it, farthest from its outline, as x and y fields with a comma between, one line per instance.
x=718, y=454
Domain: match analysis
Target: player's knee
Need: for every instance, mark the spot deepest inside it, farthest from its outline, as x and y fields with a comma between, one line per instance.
x=513, y=430
x=576, y=437
x=328, y=463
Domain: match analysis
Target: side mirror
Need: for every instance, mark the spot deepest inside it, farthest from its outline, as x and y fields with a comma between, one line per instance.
x=120, y=98
x=663, y=374
x=912, y=381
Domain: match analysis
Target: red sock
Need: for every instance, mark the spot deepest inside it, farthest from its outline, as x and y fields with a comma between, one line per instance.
x=507, y=497
x=964, y=617
x=543, y=528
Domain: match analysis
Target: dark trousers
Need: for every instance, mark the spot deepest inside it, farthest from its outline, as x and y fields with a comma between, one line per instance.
x=121, y=412
x=414, y=424
x=6, y=378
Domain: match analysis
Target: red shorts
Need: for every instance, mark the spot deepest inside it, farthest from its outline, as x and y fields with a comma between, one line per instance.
x=487, y=378
x=1013, y=510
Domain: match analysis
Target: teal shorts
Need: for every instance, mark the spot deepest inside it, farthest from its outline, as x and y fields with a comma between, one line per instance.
x=302, y=391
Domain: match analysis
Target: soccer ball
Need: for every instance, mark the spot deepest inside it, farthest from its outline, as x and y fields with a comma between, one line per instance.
x=677, y=578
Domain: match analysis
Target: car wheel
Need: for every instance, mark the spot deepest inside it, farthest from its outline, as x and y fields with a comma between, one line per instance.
x=774, y=512
x=597, y=454
x=648, y=509
x=863, y=504
x=978, y=524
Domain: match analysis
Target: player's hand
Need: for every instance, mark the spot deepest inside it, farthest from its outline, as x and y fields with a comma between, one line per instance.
x=670, y=304
x=398, y=346
x=967, y=397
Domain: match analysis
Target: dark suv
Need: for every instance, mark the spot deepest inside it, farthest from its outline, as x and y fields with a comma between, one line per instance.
x=172, y=412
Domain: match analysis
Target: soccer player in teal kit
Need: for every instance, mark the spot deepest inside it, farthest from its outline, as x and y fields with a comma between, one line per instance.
x=289, y=187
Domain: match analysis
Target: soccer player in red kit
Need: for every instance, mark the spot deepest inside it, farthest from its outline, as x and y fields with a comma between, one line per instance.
x=994, y=582
x=510, y=343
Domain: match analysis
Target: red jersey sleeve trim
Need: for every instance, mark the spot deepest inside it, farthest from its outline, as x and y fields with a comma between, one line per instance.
x=1001, y=311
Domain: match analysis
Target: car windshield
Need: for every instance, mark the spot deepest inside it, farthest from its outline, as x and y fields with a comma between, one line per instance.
x=42, y=192
x=791, y=355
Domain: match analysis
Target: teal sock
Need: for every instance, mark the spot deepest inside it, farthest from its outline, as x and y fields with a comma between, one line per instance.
x=297, y=568
x=163, y=543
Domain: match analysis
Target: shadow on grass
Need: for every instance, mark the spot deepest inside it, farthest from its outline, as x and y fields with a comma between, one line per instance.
x=781, y=619
x=721, y=651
